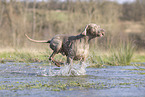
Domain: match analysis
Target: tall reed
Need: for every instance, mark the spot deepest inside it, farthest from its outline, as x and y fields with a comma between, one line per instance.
x=122, y=54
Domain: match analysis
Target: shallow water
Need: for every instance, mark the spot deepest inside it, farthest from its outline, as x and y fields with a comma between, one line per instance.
x=35, y=79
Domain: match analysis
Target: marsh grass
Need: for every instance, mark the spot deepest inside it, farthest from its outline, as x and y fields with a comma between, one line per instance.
x=52, y=86
x=96, y=59
x=62, y=86
x=21, y=55
x=121, y=55
x=139, y=57
x=27, y=55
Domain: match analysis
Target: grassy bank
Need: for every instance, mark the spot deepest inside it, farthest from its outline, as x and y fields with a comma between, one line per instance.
x=26, y=55
x=115, y=57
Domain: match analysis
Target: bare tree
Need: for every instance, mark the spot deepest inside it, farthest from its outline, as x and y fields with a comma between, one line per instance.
x=9, y=12
x=34, y=18
x=2, y=8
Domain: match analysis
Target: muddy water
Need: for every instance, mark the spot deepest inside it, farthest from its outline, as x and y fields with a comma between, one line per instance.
x=35, y=79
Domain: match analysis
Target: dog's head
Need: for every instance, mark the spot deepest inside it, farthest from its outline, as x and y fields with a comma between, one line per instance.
x=93, y=30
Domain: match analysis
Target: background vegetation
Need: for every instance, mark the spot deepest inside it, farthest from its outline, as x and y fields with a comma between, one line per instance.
x=124, y=23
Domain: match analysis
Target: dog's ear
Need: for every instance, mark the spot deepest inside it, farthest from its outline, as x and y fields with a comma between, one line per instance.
x=85, y=31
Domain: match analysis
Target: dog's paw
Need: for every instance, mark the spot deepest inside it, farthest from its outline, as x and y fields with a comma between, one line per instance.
x=57, y=64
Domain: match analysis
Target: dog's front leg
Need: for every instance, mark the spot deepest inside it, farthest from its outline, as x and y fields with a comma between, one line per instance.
x=70, y=62
x=82, y=62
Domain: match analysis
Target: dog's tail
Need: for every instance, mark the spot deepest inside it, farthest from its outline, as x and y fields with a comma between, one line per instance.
x=39, y=41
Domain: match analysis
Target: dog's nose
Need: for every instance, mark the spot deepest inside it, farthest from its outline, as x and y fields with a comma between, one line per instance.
x=103, y=33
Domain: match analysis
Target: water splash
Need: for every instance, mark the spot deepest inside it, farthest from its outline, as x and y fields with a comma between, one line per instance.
x=66, y=70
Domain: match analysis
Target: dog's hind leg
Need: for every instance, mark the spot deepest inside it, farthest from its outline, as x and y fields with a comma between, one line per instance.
x=55, y=45
x=54, y=61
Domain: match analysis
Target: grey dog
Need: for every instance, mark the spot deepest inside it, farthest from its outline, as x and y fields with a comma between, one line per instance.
x=74, y=47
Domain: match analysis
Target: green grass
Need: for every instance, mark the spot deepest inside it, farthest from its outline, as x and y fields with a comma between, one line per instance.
x=59, y=15
x=21, y=56
x=53, y=86
x=27, y=55
x=142, y=73
x=139, y=69
x=123, y=55
x=139, y=57
x=62, y=86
